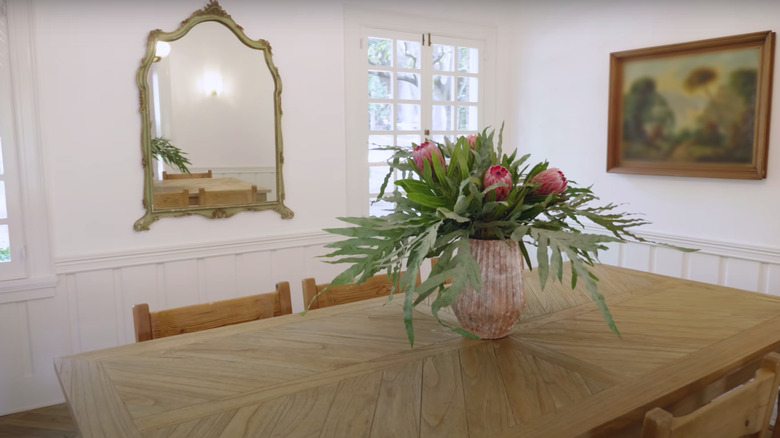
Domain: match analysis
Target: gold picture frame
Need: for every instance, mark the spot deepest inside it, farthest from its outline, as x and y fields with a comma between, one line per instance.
x=696, y=109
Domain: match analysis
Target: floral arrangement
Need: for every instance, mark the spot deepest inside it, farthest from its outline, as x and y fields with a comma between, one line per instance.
x=469, y=189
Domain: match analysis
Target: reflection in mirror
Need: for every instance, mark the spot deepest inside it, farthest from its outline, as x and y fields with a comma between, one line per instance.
x=214, y=100
x=210, y=104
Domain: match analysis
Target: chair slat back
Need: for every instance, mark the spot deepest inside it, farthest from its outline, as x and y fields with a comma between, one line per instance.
x=167, y=175
x=187, y=319
x=379, y=285
x=742, y=412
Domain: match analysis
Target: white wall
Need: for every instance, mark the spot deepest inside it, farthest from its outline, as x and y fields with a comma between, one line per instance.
x=88, y=52
x=562, y=55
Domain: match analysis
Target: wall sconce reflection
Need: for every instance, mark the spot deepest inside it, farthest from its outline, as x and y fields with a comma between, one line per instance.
x=161, y=50
x=212, y=83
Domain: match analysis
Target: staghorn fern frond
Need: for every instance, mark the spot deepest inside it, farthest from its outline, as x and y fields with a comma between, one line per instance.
x=170, y=154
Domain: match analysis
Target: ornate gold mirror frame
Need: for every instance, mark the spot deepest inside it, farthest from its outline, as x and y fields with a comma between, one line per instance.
x=155, y=207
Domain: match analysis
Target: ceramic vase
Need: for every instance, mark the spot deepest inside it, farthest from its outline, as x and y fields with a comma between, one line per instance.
x=491, y=312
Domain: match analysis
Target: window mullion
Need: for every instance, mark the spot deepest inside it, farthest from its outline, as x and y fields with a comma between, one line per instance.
x=426, y=89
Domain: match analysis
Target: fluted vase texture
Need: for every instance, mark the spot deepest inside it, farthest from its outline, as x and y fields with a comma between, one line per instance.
x=493, y=311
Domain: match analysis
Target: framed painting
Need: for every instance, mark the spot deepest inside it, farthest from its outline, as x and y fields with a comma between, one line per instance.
x=698, y=109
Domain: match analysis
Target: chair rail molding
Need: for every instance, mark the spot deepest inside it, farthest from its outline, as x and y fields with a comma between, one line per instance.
x=188, y=252
x=722, y=248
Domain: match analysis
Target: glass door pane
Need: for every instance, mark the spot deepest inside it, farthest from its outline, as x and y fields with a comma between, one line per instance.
x=395, y=72
x=455, y=89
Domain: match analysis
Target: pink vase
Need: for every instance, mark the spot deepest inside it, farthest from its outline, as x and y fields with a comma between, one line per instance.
x=493, y=311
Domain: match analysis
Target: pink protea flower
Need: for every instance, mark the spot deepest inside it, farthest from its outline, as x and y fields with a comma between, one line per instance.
x=426, y=151
x=551, y=180
x=498, y=174
x=472, y=139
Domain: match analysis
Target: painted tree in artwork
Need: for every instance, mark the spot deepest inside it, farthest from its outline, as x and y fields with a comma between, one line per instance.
x=700, y=78
x=648, y=121
x=713, y=126
x=725, y=126
x=744, y=83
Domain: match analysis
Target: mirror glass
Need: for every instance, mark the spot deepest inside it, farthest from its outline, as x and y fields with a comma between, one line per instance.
x=211, y=131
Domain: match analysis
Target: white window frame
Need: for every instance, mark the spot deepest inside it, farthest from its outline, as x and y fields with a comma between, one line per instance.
x=38, y=279
x=16, y=267
x=359, y=22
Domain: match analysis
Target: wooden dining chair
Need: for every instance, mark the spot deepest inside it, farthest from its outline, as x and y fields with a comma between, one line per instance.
x=377, y=286
x=167, y=175
x=742, y=412
x=170, y=322
x=172, y=199
x=227, y=197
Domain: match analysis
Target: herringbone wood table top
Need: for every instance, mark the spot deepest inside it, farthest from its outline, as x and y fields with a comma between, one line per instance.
x=348, y=371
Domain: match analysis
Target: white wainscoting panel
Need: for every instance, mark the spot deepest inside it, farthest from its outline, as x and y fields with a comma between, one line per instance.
x=14, y=340
x=612, y=255
x=743, y=274
x=178, y=284
x=772, y=281
x=668, y=261
x=91, y=308
x=636, y=256
x=219, y=278
x=255, y=273
x=48, y=336
x=704, y=267
x=94, y=303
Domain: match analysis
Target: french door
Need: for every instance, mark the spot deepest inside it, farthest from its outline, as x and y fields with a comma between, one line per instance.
x=418, y=87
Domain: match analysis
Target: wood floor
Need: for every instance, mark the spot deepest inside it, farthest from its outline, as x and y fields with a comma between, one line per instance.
x=49, y=422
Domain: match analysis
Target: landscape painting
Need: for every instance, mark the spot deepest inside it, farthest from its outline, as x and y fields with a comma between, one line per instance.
x=693, y=109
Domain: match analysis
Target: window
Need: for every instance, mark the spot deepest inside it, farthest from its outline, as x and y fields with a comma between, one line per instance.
x=12, y=265
x=26, y=270
x=411, y=86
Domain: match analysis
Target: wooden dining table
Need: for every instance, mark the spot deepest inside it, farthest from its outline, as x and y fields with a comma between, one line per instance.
x=349, y=371
x=211, y=184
